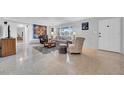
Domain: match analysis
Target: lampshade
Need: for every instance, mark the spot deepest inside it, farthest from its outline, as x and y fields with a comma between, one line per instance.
x=52, y=33
x=74, y=33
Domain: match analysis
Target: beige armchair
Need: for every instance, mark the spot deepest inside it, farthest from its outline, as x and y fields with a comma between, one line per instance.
x=77, y=46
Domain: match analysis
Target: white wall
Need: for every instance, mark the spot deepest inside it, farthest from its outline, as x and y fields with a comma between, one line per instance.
x=91, y=35
x=13, y=28
x=122, y=35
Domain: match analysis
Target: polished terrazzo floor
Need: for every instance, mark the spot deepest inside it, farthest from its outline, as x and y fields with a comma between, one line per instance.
x=29, y=61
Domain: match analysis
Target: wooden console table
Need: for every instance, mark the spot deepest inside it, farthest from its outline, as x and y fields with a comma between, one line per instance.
x=7, y=47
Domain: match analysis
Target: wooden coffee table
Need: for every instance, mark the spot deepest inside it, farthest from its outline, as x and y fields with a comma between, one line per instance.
x=49, y=44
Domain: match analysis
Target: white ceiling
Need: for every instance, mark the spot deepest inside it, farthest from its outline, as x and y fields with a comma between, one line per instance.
x=51, y=21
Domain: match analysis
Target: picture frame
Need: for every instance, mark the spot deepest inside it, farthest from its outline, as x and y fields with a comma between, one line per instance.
x=39, y=30
x=85, y=26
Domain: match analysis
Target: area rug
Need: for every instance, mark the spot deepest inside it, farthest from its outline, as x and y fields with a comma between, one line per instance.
x=45, y=50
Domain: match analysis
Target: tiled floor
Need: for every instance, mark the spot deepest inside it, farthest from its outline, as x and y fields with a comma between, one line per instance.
x=29, y=61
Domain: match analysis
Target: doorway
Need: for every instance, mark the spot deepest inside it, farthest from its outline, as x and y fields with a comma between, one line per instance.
x=109, y=34
x=20, y=35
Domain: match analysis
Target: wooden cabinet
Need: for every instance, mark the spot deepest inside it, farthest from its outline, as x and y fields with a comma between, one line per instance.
x=7, y=47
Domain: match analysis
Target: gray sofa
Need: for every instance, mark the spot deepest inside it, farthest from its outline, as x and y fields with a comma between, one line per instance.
x=62, y=39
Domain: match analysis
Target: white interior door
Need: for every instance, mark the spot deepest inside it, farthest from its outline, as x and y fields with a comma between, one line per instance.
x=109, y=34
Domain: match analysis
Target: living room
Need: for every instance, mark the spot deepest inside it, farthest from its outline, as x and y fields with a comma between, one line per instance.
x=79, y=44
x=51, y=46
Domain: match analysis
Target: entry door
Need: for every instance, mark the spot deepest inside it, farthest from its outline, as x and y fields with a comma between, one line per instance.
x=109, y=34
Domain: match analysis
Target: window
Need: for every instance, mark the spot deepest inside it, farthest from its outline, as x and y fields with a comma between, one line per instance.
x=65, y=31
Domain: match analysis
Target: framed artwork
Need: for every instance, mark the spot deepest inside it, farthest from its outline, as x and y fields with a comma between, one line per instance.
x=39, y=30
x=85, y=26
